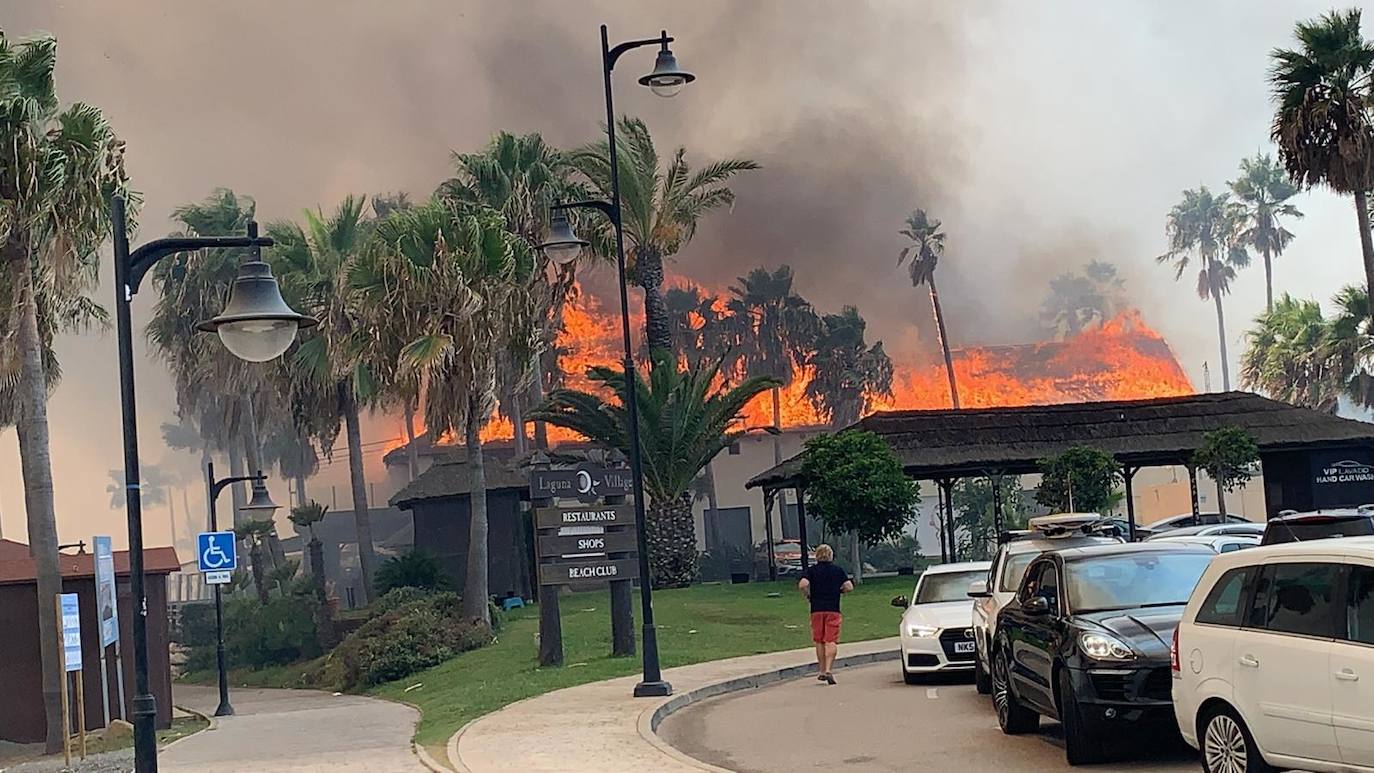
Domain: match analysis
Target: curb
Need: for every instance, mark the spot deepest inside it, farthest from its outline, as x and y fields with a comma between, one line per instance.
x=213, y=723
x=650, y=720
x=426, y=760
x=453, y=757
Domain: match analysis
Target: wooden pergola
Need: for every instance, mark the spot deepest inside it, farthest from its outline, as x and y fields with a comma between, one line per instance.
x=946, y=445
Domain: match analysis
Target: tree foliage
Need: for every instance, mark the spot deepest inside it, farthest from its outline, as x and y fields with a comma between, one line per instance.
x=848, y=372
x=1078, y=301
x=1229, y=456
x=854, y=482
x=975, y=511
x=1081, y=479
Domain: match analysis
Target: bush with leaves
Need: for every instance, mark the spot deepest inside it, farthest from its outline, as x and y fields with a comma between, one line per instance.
x=258, y=635
x=408, y=632
x=415, y=569
x=1081, y=479
x=855, y=483
x=1229, y=456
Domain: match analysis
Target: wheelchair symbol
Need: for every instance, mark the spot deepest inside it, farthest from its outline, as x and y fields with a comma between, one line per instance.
x=215, y=557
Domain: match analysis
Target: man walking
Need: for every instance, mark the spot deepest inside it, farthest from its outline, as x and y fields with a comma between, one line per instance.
x=822, y=585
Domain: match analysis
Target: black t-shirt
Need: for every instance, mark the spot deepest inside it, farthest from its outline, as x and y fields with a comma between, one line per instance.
x=826, y=580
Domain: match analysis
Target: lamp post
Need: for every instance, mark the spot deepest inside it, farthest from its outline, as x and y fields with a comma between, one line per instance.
x=261, y=502
x=562, y=246
x=255, y=322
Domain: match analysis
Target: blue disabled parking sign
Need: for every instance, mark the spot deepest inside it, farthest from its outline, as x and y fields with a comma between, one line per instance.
x=216, y=555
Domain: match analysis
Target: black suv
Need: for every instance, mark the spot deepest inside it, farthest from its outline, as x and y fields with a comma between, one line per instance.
x=1300, y=527
x=1086, y=641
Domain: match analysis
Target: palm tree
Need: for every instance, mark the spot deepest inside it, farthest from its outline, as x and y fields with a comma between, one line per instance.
x=1288, y=356
x=521, y=176
x=1208, y=227
x=660, y=209
x=1264, y=189
x=848, y=372
x=1077, y=301
x=685, y=419
x=781, y=330
x=1350, y=345
x=1323, y=125
x=467, y=279
x=254, y=534
x=314, y=263
x=58, y=169
x=926, y=248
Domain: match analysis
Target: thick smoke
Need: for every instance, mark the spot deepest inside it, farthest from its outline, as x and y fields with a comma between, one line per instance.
x=1044, y=137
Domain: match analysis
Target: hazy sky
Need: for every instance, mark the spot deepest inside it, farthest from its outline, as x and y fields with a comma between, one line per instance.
x=1045, y=135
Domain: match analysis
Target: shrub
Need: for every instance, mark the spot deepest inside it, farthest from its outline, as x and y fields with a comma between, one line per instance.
x=281, y=631
x=408, y=632
x=415, y=569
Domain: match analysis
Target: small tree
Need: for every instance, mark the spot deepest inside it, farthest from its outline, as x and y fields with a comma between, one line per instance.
x=1081, y=479
x=305, y=516
x=254, y=534
x=975, y=513
x=1229, y=455
x=856, y=484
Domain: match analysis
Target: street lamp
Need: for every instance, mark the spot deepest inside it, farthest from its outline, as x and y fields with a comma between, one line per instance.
x=562, y=246
x=251, y=315
x=261, y=502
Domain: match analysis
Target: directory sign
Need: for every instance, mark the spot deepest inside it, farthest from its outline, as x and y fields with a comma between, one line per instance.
x=106, y=603
x=71, y=631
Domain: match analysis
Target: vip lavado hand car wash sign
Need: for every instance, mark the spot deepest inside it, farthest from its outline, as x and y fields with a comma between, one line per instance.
x=1342, y=478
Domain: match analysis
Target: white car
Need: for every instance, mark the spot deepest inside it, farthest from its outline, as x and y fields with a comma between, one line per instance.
x=936, y=626
x=1273, y=662
x=1224, y=543
x=995, y=590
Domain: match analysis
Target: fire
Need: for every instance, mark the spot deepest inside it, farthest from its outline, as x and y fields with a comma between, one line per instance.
x=1121, y=359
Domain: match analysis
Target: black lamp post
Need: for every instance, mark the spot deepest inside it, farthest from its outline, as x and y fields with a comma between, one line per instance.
x=253, y=318
x=261, y=502
x=562, y=246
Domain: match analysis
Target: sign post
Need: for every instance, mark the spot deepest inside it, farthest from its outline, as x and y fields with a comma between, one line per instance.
x=584, y=546
x=107, y=615
x=217, y=557
x=69, y=612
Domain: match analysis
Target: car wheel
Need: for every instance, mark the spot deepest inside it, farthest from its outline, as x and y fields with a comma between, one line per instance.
x=1228, y=747
x=1012, y=717
x=981, y=681
x=1082, y=746
x=910, y=678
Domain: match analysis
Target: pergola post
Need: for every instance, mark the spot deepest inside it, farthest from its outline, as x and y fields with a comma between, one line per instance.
x=948, y=486
x=996, y=482
x=801, y=525
x=940, y=520
x=1128, y=473
x=1192, y=491
x=768, y=532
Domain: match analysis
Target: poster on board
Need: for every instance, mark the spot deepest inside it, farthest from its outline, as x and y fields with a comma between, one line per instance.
x=106, y=605
x=71, y=631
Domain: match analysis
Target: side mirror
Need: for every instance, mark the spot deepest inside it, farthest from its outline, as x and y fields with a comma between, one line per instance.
x=978, y=589
x=1036, y=605
x=900, y=601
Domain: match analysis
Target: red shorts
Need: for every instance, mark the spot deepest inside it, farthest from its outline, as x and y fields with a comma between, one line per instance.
x=825, y=627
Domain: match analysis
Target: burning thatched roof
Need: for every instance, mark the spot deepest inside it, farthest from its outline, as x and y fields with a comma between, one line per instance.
x=1158, y=431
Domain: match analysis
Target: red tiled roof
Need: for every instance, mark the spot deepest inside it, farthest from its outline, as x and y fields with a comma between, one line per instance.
x=16, y=566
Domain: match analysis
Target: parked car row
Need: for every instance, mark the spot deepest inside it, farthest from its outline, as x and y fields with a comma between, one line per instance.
x=1250, y=646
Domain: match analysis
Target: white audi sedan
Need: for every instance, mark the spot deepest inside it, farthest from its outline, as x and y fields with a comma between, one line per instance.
x=937, y=626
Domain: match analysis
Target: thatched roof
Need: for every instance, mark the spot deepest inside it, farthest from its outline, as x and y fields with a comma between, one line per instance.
x=452, y=477
x=1159, y=431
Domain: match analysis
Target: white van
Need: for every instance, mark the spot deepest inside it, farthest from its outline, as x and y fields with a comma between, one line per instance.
x=1273, y=661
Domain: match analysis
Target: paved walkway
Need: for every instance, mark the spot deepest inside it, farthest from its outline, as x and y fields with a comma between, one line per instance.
x=875, y=723
x=600, y=727
x=295, y=731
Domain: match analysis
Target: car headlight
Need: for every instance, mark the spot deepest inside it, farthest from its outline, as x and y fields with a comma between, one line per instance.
x=1102, y=647
x=922, y=631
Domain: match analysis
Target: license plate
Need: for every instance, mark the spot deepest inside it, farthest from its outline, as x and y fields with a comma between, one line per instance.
x=963, y=647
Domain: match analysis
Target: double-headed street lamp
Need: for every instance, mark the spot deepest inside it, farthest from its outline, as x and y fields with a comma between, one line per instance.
x=261, y=502
x=257, y=326
x=562, y=246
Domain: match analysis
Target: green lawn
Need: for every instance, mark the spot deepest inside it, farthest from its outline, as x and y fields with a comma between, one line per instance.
x=697, y=624
x=704, y=622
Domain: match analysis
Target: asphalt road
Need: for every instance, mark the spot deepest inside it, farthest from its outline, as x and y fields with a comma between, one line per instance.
x=872, y=721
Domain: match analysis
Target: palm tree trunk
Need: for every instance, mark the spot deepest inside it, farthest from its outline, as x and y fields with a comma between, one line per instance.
x=301, y=497
x=367, y=558
x=475, y=589
x=1268, y=282
x=517, y=423
x=236, y=490
x=944, y=342
x=658, y=331
x=670, y=533
x=1221, y=339
x=541, y=430
x=412, y=453
x=171, y=518
x=1366, y=245
x=186, y=506
x=35, y=462
x=712, y=505
x=777, y=424
x=259, y=572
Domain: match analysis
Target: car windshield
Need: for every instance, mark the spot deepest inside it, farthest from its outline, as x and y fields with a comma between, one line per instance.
x=946, y=586
x=1013, y=569
x=1133, y=580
